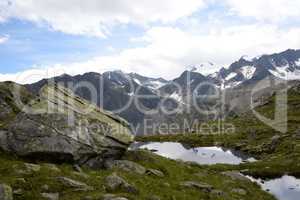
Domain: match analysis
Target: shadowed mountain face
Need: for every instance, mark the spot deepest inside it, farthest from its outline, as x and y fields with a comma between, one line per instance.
x=130, y=95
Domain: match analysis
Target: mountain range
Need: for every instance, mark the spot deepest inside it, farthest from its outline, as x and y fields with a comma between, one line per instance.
x=116, y=89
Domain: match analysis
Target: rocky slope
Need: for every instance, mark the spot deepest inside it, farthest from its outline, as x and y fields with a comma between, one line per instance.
x=140, y=175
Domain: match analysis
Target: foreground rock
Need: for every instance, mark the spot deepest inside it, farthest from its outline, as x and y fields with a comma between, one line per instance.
x=155, y=172
x=78, y=186
x=6, y=192
x=114, y=183
x=235, y=175
x=125, y=165
x=59, y=126
x=197, y=185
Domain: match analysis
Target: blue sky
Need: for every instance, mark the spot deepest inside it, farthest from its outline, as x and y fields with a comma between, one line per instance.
x=154, y=38
x=29, y=45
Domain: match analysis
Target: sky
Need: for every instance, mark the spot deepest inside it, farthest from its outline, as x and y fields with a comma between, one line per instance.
x=156, y=38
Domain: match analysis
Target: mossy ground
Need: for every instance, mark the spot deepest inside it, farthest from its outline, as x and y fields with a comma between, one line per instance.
x=167, y=188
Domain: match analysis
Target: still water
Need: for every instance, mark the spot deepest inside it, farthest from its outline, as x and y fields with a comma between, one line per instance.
x=201, y=155
x=284, y=188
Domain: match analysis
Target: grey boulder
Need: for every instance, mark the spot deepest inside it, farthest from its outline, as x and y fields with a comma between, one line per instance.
x=58, y=126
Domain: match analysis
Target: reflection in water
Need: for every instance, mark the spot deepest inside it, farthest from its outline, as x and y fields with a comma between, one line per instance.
x=284, y=188
x=201, y=155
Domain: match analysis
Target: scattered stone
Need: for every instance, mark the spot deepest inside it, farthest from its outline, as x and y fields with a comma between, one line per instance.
x=6, y=192
x=274, y=142
x=45, y=188
x=154, y=197
x=77, y=168
x=20, y=180
x=217, y=192
x=125, y=165
x=112, y=197
x=18, y=192
x=155, y=172
x=297, y=134
x=114, y=183
x=79, y=186
x=50, y=196
x=197, y=185
x=235, y=175
x=52, y=167
x=200, y=175
x=32, y=167
x=83, y=175
x=239, y=191
x=166, y=184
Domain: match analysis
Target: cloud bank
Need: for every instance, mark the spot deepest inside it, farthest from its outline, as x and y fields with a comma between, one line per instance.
x=96, y=17
x=165, y=48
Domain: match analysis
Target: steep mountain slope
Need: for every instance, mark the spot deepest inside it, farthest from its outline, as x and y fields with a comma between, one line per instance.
x=113, y=91
x=284, y=65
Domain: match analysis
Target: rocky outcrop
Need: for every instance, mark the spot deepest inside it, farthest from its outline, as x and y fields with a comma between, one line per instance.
x=78, y=186
x=197, y=185
x=114, y=183
x=125, y=165
x=59, y=126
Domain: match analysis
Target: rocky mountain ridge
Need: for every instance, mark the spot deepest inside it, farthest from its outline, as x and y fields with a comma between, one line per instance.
x=120, y=92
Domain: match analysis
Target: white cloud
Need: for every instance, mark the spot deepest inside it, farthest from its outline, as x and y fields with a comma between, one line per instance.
x=169, y=51
x=96, y=17
x=267, y=10
x=4, y=39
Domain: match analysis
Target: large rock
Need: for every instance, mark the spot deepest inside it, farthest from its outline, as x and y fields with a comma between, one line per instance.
x=59, y=126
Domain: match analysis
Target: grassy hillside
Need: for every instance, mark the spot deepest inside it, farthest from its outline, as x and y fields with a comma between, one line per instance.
x=30, y=184
x=279, y=153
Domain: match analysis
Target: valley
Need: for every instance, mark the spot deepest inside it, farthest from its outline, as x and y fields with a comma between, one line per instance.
x=57, y=143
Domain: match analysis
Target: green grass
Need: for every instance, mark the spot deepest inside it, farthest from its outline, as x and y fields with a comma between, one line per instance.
x=166, y=188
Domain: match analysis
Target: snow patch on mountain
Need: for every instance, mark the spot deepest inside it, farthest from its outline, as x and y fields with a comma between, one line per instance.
x=213, y=75
x=248, y=71
x=131, y=94
x=298, y=62
x=137, y=81
x=232, y=84
x=283, y=72
x=230, y=76
x=176, y=97
x=155, y=84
